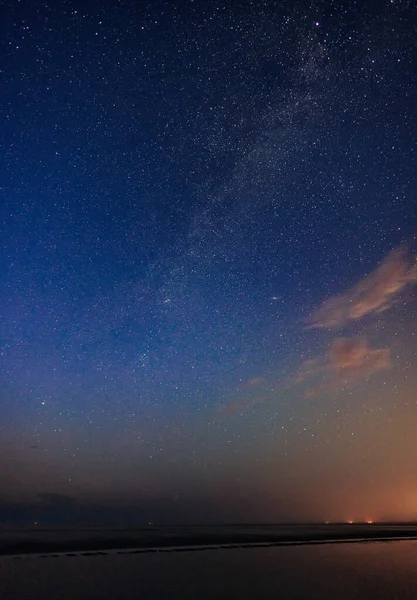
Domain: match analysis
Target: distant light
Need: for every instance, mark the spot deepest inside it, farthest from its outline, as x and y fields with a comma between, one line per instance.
x=350, y=522
x=35, y=523
x=369, y=522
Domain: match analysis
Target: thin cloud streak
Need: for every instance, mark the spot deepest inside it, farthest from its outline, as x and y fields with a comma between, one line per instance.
x=375, y=293
x=348, y=361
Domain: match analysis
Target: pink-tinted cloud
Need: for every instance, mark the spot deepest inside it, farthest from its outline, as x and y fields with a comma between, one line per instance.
x=348, y=361
x=310, y=367
x=352, y=358
x=374, y=294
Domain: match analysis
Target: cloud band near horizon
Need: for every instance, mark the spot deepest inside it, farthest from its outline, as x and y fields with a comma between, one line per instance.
x=375, y=293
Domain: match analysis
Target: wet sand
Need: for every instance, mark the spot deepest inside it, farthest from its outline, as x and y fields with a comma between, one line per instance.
x=342, y=570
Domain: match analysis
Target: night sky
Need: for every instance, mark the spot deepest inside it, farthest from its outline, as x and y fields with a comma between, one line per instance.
x=208, y=261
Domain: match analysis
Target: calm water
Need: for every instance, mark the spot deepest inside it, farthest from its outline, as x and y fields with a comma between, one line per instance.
x=377, y=570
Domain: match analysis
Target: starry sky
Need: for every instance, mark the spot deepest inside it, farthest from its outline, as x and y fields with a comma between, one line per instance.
x=208, y=261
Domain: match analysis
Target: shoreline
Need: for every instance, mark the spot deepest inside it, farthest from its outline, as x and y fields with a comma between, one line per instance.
x=187, y=539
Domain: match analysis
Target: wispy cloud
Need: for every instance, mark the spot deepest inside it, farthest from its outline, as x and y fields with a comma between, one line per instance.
x=352, y=358
x=243, y=405
x=348, y=361
x=249, y=394
x=254, y=382
x=374, y=294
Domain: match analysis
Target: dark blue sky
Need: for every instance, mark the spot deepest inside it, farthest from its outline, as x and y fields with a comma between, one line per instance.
x=208, y=258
